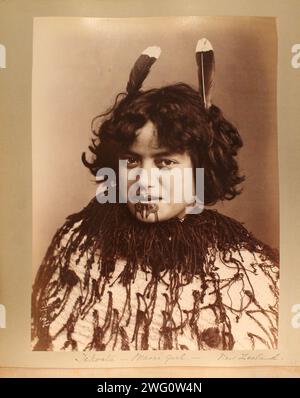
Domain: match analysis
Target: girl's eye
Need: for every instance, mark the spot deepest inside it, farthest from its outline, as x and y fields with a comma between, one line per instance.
x=165, y=163
x=131, y=161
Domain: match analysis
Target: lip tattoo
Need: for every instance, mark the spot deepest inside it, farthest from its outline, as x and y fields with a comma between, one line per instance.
x=145, y=209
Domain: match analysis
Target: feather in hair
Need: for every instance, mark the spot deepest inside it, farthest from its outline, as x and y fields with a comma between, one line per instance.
x=206, y=67
x=141, y=68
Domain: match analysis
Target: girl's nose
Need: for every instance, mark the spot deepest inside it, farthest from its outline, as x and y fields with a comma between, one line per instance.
x=148, y=178
x=145, y=178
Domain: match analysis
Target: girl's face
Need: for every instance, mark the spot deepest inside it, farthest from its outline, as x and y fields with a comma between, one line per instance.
x=162, y=179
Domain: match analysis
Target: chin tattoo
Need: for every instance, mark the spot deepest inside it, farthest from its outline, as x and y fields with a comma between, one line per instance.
x=145, y=209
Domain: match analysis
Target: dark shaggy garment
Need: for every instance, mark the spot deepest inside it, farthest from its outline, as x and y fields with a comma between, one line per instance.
x=109, y=281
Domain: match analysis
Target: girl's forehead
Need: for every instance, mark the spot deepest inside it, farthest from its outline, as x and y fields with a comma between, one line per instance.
x=146, y=140
x=146, y=143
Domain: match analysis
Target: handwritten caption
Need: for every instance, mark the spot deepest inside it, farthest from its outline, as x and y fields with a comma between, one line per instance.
x=175, y=357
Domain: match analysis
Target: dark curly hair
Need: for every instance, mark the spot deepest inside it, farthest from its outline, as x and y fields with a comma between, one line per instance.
x=182, y=123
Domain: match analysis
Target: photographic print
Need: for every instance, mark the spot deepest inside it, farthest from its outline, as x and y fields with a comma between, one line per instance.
x=155, y=184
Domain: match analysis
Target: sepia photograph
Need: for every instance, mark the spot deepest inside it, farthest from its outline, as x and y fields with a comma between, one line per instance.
x=155, y=184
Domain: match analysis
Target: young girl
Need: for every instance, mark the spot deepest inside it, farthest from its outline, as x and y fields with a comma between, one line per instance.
x=149, y=274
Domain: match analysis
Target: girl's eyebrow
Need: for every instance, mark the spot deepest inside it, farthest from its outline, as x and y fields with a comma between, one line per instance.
x=129, y=152
x=165, y=153
x=157, y=154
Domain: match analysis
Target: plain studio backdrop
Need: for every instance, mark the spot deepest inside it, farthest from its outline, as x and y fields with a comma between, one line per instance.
x=81, y=64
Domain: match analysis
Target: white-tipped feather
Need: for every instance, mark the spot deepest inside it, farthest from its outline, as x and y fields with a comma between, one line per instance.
x=206, y=66
x=141, y=68
x=153, y=51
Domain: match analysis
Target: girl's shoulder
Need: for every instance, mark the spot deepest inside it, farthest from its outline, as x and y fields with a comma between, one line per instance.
x=246, y=276
x=233, y=237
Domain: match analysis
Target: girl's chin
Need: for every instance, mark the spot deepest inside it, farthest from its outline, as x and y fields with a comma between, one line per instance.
x=152, y=213
x=148, y=220
x=146, y=212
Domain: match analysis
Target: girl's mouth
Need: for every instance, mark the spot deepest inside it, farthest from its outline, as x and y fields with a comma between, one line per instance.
x=150, y=199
